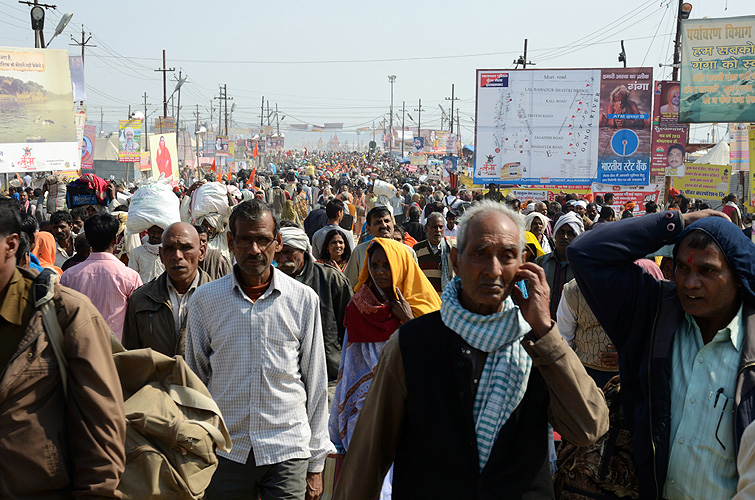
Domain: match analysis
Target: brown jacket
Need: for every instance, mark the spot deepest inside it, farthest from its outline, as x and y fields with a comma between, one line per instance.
x=149, y=318
x=50, y=448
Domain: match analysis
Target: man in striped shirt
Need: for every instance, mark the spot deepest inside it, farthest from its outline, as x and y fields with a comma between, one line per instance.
x=254, y=337
x=434, y=253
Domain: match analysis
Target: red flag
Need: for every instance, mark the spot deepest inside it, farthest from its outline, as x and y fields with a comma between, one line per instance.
x=256, y=151
x=250, y=181
x=213, y=168
x=220, y=174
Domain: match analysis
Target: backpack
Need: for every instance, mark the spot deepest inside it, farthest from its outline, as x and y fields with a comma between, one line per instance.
x=605, y=470
x=173, y=424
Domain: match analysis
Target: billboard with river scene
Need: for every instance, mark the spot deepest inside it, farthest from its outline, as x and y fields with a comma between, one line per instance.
x=37, y=127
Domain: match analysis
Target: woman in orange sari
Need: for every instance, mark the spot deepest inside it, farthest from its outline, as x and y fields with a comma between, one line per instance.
x=45, y=251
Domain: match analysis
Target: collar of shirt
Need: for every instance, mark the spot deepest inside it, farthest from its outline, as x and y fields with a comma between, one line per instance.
x=732, y=332
x=102, y=256
x=15, y=299
x=192, y=287
x=274, y=285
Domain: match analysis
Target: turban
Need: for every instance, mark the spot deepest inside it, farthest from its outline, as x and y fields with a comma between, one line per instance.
x=532, y=216
x=295, y=237
x=574, y=221
x=581, y=203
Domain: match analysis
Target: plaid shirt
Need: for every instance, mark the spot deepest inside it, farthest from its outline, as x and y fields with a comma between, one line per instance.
x=300, y=206
x=264, y=364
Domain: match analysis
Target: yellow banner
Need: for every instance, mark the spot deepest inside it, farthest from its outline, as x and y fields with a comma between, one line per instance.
x=702, y=180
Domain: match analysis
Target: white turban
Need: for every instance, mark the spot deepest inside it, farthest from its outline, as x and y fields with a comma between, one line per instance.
x=574, y=220
x=295, y=237
x=532, y=216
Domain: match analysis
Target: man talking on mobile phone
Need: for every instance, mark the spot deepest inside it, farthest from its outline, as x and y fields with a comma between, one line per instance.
x=462, y=397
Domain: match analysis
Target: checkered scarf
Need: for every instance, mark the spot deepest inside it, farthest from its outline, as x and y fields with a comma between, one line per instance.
x=507, y=368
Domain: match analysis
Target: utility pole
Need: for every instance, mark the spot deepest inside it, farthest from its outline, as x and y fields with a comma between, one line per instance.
x=419, y=119
x=84, y=44
x=196, y=136
x=268, y=113
x=165, y=71
x=146, y=124
x=677, y=44
x=212, y=114
x=277, y=122
x=225, y=100
x=458, y=132
x=220, y=111
x=451, y=116
x=523, y=59
x=262, y=112
x=178, y=114
x=392, y=80
x=403, y=126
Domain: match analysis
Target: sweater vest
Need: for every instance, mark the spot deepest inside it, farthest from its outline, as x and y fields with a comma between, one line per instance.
x=437, y=453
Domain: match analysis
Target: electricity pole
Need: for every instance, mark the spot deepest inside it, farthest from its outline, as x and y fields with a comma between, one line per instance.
x=146, y=124
x=220, y=111
x=451, y=116
x=196, y=136
x=225, y=100
x=677, y=44
x=403, y=126
x=165, y=71
x=523, y=59
x=39, y=36
x=392, y=80
x=419, y=119
x=262, y=112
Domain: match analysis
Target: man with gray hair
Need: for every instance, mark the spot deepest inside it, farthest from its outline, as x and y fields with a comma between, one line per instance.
x=498, y=368
x=434, y=253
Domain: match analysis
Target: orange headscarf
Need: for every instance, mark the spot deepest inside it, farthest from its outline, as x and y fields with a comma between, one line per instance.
x=45, y=251
x=405, y=275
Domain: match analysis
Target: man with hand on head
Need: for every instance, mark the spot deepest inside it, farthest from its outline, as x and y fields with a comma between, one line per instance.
x=686, y=347
x=157, y=312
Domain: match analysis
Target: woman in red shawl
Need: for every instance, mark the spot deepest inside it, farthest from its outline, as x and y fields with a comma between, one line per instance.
x=164, y=163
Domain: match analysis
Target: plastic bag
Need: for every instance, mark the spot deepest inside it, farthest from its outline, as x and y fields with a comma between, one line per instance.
x=152, y=204
x=210, y=198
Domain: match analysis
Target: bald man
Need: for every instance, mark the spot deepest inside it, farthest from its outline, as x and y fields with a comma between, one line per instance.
x=156, y=313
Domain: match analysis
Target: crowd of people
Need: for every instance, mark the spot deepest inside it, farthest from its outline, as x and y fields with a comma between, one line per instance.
x=443, y=340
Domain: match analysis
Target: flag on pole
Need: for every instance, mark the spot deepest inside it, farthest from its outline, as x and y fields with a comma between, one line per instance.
x=256, y=151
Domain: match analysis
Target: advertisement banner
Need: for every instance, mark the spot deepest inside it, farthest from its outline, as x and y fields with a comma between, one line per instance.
x=625, y=134
x=165, y=125
x=544, y=193
x=718, y=63
x=129, y=140
x=546, y=127
x=624, y=194
x=419, y=144
x=221, y=146
x=701, y=180
x=209, y=144
x=145, y=162
x=740, y=149
x=87, y=147
x=164, y=155
x=418, y=159
x=36, y=103
x=667, y=131
x=76, y=65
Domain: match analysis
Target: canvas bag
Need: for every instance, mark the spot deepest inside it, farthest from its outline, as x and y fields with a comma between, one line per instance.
x=173, y=425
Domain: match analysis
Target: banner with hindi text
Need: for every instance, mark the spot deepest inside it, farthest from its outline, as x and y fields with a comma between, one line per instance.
x=718, y=64
x=701, y=180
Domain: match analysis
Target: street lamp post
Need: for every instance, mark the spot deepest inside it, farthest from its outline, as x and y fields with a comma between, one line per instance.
x=391, y=79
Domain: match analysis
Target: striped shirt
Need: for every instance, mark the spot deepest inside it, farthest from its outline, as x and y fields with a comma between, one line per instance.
x=264, y=364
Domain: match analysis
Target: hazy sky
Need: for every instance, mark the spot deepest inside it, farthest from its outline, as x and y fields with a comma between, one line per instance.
x=328, y=61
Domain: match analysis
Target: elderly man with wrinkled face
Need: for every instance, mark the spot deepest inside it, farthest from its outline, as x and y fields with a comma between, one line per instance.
x=686, y=347
x=462, y=397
